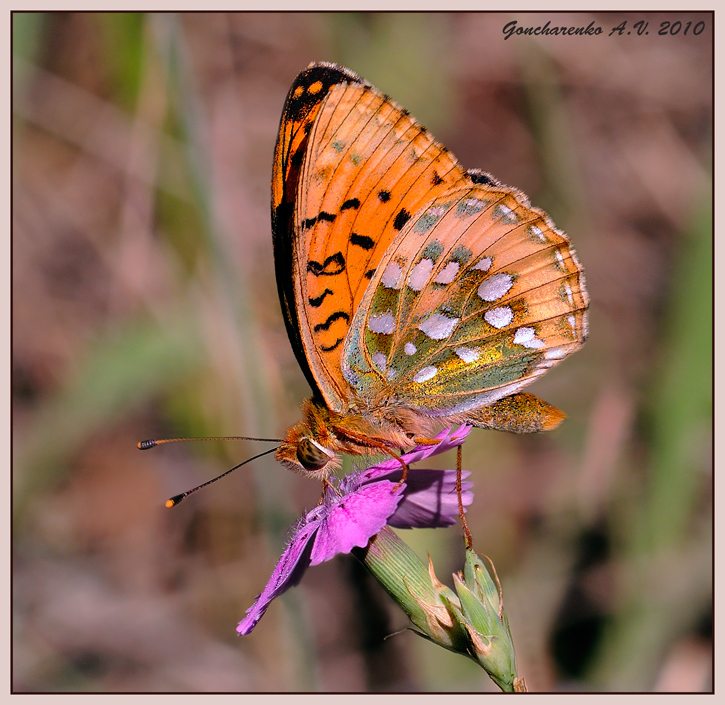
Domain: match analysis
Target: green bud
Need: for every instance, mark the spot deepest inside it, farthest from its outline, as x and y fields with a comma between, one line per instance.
x=486, y=623
x=471, y=623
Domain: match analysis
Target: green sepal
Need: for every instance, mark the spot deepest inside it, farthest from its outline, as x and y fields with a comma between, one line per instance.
x=416, y=589
x=486, y=623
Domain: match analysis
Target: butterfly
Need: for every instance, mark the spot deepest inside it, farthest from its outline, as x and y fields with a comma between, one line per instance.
x=415, y=293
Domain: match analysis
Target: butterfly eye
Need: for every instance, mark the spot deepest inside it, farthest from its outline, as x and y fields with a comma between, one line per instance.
x=312, y=455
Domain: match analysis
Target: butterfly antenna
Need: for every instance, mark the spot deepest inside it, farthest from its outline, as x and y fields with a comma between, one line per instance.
x=173, y=501
x=152, y=443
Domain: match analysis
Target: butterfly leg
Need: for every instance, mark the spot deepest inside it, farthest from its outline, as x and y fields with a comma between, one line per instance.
x=404, y=477
x=459, y=489
x=327, y=485
x=368, y=442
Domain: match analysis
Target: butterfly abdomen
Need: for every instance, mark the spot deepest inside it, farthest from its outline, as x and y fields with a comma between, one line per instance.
x=518, y=413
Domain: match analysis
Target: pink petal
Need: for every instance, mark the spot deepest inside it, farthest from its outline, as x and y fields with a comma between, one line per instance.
x=287, y=573
x=354, y=519
x=430, y=499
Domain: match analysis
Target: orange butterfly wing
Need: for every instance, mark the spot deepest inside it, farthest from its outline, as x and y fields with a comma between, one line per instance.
x=381, y=238
x=368, y=166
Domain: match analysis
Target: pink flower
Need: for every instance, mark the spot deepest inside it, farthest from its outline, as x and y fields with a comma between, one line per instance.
x=361, y=505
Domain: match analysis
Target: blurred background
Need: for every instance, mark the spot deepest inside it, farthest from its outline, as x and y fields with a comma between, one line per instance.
x=144, y=305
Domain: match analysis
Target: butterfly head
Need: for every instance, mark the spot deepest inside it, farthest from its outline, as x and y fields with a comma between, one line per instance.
x=307, y=451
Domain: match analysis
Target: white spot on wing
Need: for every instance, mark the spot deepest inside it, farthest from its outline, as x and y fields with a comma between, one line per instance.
x=379, y=361
x=470, y=206
x=425, y=374
x=555, y=353
x=420, y=274
x=391, y=276
x=495, y=287
x=572, y=322
x=410, y=349
x=438, y=326
x=499, y=317
x=447, y=274
x=569, y=293
x=560, y=259
x=536, y=232
x=505, y=213
x=484, y=264
x=382, y=323
x=467, y=354
x=350, y=376
x=527, y=337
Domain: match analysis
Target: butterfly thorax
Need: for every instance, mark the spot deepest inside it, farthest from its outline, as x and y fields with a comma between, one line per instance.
x=313, y=446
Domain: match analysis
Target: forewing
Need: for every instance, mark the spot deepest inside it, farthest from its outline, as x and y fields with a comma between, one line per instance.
x=367, y=169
